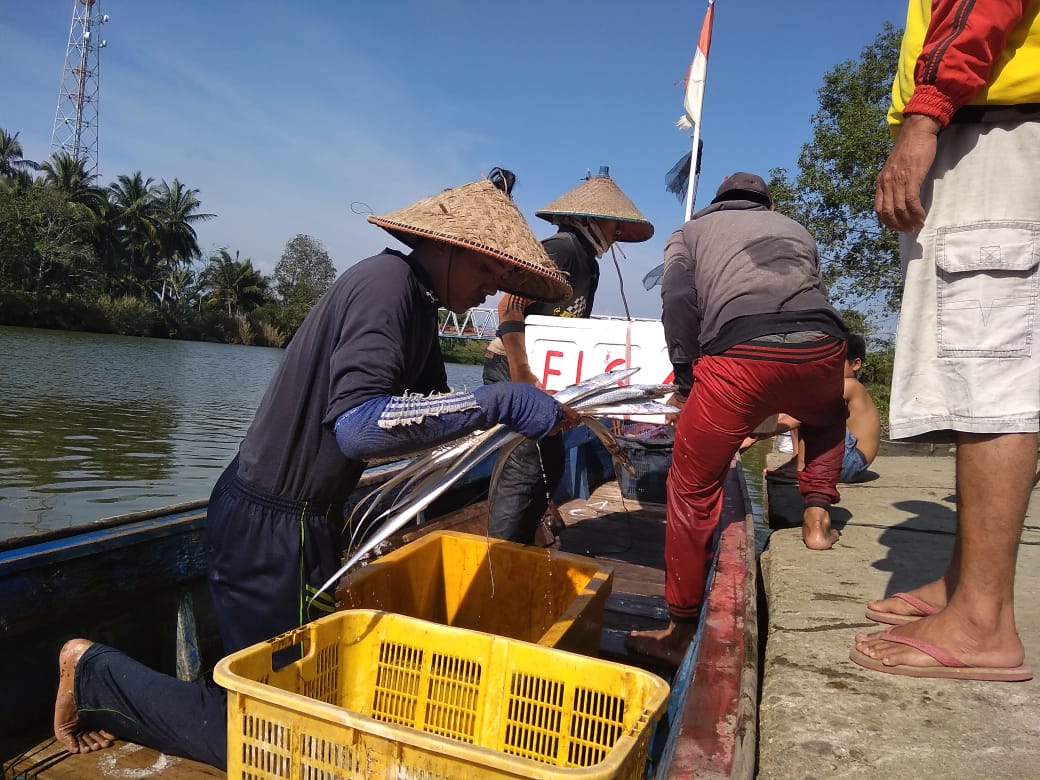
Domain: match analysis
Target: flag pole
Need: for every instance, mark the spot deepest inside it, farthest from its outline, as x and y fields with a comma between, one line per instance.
x=693, y=99
x=695, y=171
x=696, y=79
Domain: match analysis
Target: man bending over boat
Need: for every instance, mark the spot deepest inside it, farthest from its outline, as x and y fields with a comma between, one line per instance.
x=751, y=333
x=362, y=378
x=590, y=219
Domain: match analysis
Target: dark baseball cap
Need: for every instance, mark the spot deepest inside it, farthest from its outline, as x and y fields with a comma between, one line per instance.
x=744, y=186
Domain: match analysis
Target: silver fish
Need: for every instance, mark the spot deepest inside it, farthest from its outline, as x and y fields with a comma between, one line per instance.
x=420, y=483
x=626, y=393
x=628, y=409
x=405, y=482
x=400, y=481
x=608, y=440
x=576, y=392
x=421, y=501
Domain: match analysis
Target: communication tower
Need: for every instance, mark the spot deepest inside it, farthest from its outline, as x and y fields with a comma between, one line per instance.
x=76, y=118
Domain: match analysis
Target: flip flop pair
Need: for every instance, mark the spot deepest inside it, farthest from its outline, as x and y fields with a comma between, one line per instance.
x=946, y=666
x=922, y=609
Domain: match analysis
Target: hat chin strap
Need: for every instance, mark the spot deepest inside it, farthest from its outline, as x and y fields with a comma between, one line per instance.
x=590, y=229
x=601, y=242
x=447, y=280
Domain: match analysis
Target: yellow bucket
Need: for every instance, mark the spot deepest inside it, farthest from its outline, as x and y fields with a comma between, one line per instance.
x=469, y=581
x=379, y=695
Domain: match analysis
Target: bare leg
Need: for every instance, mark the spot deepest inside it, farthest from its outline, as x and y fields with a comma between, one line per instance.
x=817, y=533
x=994, y=480
x=799, y=447
x=66, y=718
x=667, y=644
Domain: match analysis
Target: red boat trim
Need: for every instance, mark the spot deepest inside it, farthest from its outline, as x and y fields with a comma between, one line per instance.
x=718, y=723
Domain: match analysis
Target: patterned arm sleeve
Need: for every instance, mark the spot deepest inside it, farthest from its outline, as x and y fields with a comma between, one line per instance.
x=391, y=426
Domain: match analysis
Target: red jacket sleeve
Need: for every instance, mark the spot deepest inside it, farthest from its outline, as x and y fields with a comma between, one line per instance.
x=964, y=40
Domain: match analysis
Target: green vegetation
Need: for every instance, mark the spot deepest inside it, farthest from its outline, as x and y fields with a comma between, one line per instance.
x=125, y=259
x=469, y=351
x=833, y=196
x=833, y=192
x=876, y=375
x=301, y=277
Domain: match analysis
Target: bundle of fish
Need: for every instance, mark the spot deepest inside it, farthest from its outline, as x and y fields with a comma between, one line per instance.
x=428, y=477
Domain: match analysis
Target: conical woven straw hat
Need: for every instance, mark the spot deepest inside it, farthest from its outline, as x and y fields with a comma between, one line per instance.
x=599, y=197
x=481, y=217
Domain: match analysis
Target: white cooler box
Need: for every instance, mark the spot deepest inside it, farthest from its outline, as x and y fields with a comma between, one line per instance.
x=563, y=351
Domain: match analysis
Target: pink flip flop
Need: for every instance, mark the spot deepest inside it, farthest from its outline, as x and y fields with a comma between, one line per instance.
x=947, y=667
x=924, y=609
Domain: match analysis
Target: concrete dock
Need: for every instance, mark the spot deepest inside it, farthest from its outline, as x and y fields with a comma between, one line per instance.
x=823, y=716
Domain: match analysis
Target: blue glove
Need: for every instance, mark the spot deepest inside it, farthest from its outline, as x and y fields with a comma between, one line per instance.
x=524, y=408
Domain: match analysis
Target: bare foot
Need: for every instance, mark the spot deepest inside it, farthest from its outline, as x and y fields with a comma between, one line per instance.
x=817, y=533
x=667, y=644
x=935, y=594
x=996, y=646
x=66, y=717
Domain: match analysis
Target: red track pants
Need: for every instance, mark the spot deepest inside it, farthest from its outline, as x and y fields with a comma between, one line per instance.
x=731, y=395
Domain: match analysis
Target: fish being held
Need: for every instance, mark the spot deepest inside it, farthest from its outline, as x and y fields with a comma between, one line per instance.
x=429, y=476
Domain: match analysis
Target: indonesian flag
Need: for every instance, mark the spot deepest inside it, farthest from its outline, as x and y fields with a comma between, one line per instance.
x=697, y=74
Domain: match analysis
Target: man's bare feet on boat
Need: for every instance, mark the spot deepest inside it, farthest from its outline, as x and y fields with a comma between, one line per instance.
x=666, y=644
x=816, y=529
x=66, y=718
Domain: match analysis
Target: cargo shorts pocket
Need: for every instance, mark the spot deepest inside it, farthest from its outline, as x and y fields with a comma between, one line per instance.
x=986, y=289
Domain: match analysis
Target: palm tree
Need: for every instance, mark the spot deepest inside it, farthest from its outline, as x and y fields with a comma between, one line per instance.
x=108, y=246
x=11, y=160
x=235, y=283
x=183, y=285
x=134, y=200
x=68, y=175
x=177, y=212
x=20, y=182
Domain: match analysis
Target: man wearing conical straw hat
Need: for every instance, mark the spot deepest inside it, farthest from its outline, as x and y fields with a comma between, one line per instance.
x=362, y=378
x=589, y=218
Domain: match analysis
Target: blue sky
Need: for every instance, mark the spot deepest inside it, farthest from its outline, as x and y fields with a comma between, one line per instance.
x=285, y=114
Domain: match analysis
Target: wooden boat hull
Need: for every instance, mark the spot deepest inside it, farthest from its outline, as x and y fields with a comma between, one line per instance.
x=709, y=729
x=122, y=584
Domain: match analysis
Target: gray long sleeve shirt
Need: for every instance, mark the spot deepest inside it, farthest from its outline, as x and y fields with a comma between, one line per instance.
x=737, y=271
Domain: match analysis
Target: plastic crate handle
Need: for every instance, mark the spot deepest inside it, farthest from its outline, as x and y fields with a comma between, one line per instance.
x=303, y=635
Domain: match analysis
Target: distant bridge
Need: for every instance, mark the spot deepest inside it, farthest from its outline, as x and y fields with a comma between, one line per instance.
x=474, y=324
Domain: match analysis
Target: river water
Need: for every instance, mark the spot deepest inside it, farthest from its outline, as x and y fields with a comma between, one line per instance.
x=93, y=425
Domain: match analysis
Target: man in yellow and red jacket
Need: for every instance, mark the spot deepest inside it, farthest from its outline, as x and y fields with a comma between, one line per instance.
x=962, y=185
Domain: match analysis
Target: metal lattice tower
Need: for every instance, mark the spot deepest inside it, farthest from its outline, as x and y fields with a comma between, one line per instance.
x=76, y=118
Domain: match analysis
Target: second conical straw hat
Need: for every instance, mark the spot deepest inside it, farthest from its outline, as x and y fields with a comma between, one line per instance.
x=600, y=197
x=481, y=217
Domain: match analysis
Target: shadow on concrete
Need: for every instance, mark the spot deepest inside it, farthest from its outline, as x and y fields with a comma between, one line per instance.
x=866, y=476
x=920, y=546
x=839, y=517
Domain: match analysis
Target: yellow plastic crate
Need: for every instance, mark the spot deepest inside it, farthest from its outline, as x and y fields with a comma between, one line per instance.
x=379, y=695
x=469, y=581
